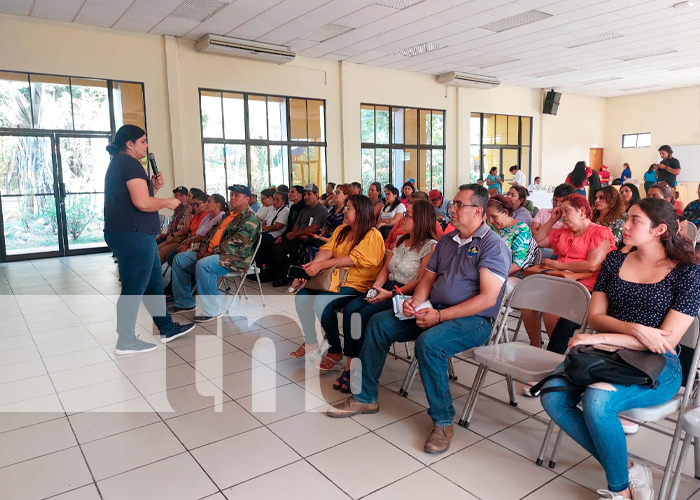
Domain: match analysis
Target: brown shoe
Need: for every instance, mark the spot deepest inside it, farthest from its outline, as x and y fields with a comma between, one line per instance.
x=439, y=439
x=350, y=408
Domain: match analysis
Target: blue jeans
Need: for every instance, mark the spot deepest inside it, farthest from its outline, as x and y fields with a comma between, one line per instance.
x=434, y=347
x=206, y=271
x=141, y=275
x=596, y=427
x=312, y=303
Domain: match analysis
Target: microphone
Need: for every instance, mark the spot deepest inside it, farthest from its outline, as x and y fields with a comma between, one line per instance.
x=152, y=163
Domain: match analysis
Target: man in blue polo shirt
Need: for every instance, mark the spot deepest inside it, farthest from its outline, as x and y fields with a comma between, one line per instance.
x=464, y=279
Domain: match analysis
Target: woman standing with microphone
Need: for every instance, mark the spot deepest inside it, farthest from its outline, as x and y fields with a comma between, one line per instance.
x=131, y=226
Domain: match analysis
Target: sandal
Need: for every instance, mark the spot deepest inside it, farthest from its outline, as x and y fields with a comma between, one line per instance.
x=293, y=289
x=342, y=384
x=301, y=352
x=328, y=364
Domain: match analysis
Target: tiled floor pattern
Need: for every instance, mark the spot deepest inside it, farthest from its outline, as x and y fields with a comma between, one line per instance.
x=78, y=424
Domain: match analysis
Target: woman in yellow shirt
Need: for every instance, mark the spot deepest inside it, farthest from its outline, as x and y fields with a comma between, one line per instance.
x=357, y=245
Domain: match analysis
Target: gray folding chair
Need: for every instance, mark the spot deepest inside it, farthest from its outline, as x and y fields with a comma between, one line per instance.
x=231, y=277
x=561, y=297
x=656, y=413
x=692, y=232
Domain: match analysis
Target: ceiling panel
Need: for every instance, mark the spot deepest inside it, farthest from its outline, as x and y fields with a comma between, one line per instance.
x=16, y=7
x=65, y=10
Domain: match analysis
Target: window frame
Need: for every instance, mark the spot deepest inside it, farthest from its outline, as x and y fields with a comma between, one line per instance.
x=287, y=143
x=392, y=146
x=636, y=143
x=519, y=147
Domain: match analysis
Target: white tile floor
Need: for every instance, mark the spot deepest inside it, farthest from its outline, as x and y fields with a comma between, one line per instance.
x=78, y=424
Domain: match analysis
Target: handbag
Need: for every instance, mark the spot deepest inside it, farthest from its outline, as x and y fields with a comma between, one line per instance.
x=328, y=280
x=586, y=365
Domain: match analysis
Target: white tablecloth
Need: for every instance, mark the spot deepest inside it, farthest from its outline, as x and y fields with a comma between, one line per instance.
x=541, y=199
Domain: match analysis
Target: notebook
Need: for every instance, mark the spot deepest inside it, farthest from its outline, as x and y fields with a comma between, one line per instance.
x=398, y=306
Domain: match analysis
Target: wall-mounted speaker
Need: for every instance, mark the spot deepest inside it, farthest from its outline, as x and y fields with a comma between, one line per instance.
x=551, y=102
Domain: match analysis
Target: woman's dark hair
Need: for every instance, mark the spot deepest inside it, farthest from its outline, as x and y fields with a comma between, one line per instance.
x=500, y=204
x=200, y=196
x=578, y=175
x=612, y=198
x=514, y=168
x=635, y=194
x=578, y=201
x=522, y=193
x=678, y=246
x=283, y=195
x=418, y=196
x=651, y=167
x=492, y=169
x=424, y=221
x=563, y=190
x=664, y=188
x=378, y=187
x=364, y=219
x=221, y=201
x=267, y=193
x=396, y=193
x=125, y=134
x=283, y=188
x=193, y=191
x=409, y=184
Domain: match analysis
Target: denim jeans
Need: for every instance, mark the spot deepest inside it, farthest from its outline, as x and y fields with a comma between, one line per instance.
x=434, y=347
x=206, y=271
x=140, y=272
x=596, y=426
x=353, y=340
x=312, y=303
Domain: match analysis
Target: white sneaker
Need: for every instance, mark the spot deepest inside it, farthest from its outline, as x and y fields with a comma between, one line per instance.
x=641, y=482
x=609, y=495
x=628, y=426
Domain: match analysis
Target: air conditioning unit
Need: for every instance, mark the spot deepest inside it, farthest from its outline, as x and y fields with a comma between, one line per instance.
x=454, y=79
x=214, y=44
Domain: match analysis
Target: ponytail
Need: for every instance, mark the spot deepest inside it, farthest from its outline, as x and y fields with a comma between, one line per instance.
x=679, y=248
x=125, y=134
x=221, y=201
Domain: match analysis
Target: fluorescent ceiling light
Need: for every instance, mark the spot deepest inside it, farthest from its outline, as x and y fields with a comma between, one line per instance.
x=552, y=72
x=398, y=4
x=493, y=61
x=323, y=33
x=642, y=87
x=612, y=78
x=197, y=10
x=642, y=55
x=587, y=40
x=515, y=21
x=417, y=50
x=684, y=66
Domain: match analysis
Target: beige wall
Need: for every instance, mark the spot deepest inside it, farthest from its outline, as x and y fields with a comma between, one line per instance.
x=173, y=72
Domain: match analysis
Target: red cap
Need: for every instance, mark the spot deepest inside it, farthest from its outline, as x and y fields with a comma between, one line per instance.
x=434, y=195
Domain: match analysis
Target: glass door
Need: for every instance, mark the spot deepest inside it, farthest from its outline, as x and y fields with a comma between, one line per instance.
x=83, y=162
x=31, y=220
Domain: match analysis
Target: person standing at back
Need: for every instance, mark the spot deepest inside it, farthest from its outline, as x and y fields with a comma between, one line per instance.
x=518, y=177
x=626, y=173
x=131, y=226
x=669, y=168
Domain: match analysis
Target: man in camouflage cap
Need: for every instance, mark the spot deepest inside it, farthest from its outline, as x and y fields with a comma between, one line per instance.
x=228, y=246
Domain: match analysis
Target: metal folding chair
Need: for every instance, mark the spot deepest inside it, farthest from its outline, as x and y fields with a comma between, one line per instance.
x=234, y=275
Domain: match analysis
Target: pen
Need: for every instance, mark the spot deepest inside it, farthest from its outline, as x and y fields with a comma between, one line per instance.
x=399, y=292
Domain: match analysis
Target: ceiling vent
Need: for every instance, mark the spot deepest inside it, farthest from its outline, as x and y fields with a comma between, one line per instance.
x=197, y=10
x=493, y=61
x=552, y=72
x=233, y=47
x=454, y=79
x=398, y=4
x=642, y=55
x=531, y=16
x=417, y=50
x=326, y=32
x=587, y=40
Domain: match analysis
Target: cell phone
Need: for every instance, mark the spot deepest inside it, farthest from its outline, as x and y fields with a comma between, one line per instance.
x=607, y=347
x=297, y=272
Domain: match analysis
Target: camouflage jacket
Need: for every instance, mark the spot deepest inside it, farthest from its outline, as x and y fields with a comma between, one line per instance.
x=238, y=241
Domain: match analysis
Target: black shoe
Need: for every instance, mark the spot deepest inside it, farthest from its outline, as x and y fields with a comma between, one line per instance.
x=206, y=319
x=170, y=299
x=282, y=282
x=178, y=331
x=176, y=309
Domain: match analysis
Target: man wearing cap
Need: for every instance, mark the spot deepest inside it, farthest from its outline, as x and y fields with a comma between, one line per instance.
x=310, y=221
x=254, y=203
x=181, y=193
x=442, y=206
x=228, y=246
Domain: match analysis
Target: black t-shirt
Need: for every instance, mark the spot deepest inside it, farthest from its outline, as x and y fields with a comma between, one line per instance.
x=665, y=175
x=120, y=213
x=294, y=212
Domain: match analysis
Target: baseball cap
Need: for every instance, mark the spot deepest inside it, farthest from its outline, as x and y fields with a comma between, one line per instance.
x=253, y=191
x=240, y=188
x=434, y=195
x=311, y=187
x=181, y=190
x=412, y=180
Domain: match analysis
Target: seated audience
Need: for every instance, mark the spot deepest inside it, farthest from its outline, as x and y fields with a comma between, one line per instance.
x=355, y=188
x=402, y=271
x=581, y=247
x=608, y=212
x=441, y=205
x=650, y=176
x=692, y=211
x=266, y=199
x=544, y=214
x=406, y=191
x=310, y=221
x=515, y=234
x=662, y=191
x=374, y=193
x=463, y=281
x=536, y=185
x=519, y=178
x=629, y=195
x=180, y=193
x=272, y=228
x=494, y=181
x=254, y=203
x=356, y=245
x=663, y=268
x=480, y=182
x=518, y=196
x=398, y=230
x=327, y=197
x=393, y=211
x=227, y=247
x=198, y=204
x=677, y=204
x=579, y=177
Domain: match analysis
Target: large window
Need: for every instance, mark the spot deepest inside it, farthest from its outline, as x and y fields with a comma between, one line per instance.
x=499, y=141
x=53, y=133
x=262, y=140
x=400, y=143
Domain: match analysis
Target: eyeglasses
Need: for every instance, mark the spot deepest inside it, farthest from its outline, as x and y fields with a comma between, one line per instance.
x=196, y=203
x=406, y=216
x=458, y=205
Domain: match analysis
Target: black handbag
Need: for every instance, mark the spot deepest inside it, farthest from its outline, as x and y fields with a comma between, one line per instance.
x=586, y=365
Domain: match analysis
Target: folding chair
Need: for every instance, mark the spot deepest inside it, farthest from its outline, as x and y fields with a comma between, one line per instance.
x=561, y=297
x=233, y=275
x=656, y=413
x=692, y=232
